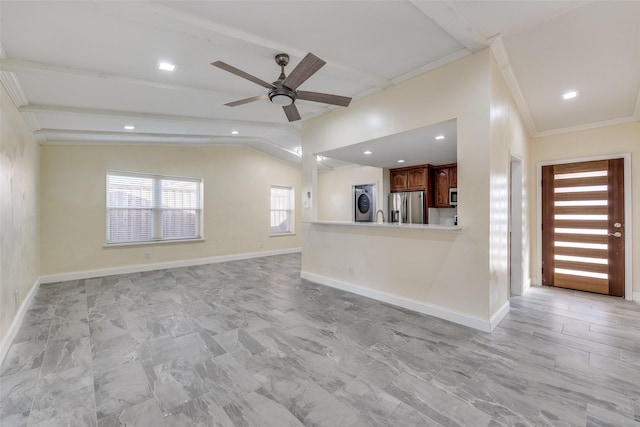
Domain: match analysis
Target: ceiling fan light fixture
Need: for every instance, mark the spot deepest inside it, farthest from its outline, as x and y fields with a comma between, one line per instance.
x=281, y=96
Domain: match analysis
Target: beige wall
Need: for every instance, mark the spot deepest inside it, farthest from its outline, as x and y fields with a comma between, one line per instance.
x=618, y=139
x=335, y=191
x=508, y=138
x=236, y=203
x=19, y=213
x=459, y=278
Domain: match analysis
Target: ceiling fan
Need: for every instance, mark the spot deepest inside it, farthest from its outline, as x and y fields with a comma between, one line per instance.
x=283, y=91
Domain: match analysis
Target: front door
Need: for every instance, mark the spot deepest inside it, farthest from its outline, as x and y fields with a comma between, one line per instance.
x=583, y=226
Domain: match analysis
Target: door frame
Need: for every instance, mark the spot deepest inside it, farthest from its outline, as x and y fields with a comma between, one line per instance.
x=628, y=279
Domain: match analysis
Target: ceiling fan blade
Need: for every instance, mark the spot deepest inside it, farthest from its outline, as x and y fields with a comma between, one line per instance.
x=305, y=69
x=247, y=100
x=292, y=112
x=241, y=73
x=342, y=101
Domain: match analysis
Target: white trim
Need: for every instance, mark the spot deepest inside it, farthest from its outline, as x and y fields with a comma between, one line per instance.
x=432, y=65
x=499, y=315
x=87, y=274
x=628, y=214
x=14, y=88
x=504, y=65
x=527, y=284
x=485, y=325
x=17, y=321
x=586, y=126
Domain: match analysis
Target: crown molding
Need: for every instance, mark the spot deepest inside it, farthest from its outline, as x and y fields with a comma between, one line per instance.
x=586, y=126
x=14, y=88
x=433, y=65
x=504, y=65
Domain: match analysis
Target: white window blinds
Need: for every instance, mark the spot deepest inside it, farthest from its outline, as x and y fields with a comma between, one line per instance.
x=143, y=208
x=281, y=210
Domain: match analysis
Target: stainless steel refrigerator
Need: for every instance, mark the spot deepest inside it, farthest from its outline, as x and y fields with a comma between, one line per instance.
x=407, y=207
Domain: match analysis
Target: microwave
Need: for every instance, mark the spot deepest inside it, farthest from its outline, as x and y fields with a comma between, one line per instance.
x=453, y=197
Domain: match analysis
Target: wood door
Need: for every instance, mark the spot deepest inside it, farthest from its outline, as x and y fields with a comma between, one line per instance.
x=417, y=179
x=583, y=226
x=398, y=180
x=442, y=188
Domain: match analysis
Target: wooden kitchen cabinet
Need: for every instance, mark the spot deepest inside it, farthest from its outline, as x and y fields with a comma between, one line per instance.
x=446, y=178
x=398, y=180
x=442, y=187
x=417, y=179
x=453, y=177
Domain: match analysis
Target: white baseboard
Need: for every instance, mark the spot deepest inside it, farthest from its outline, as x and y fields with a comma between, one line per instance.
x=88, y=274
x=17, y=321
x=499, y=315
x=485, y=325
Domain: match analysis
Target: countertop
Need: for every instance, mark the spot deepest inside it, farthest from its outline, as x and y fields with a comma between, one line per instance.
x=430, y=227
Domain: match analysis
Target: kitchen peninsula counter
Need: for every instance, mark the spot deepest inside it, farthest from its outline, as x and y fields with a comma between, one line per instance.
x=391, y=225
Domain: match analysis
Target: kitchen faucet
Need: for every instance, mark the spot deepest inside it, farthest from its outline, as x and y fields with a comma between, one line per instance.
x=382, y=212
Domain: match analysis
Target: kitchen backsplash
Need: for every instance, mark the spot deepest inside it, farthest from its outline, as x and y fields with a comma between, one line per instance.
x=442, y=216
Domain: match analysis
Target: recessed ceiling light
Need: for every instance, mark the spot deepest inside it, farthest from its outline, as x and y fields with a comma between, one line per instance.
x=400, y=161
x=234, y=132
x=299, y=151
x=166, y=66
x=570, y=95
x=319, y=158
x=129, y=127
x=367, y=152
x=439, y=137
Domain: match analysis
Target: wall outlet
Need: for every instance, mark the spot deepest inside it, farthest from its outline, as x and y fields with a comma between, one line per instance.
x=16, y=297
x=147, y=254
x=350, y=271
x=261, y=245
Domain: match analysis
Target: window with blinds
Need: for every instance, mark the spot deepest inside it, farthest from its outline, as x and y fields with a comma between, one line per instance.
x=281, y=210
x=146, y=208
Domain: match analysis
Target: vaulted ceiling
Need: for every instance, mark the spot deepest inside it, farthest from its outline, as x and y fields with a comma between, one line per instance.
x=80, y=71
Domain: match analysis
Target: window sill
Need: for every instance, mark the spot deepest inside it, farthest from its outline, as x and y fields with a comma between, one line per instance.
x=282, y=234
x=152, y=242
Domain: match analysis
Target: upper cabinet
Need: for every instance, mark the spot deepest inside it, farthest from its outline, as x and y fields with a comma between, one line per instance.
x=398, y=180
x=417, y=178
x=453, y=177
x=446, y=178
x=409, y=179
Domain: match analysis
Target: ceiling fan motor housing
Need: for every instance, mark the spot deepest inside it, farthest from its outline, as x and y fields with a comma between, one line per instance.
x=280, y=94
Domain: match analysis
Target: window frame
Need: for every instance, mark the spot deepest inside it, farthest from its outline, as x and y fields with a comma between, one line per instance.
x=156, y=209
x=290, y=211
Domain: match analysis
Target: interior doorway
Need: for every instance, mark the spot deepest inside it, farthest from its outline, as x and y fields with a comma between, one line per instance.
x=516, y=278
x=583, y=226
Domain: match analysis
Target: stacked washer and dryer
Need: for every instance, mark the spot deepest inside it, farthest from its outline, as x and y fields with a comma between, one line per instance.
x=364, y=203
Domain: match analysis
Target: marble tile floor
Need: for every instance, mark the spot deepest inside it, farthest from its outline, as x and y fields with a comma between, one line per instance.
x=249, y=343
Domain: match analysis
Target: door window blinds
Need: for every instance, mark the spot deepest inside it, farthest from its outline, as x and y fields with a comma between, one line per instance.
x=144, y=208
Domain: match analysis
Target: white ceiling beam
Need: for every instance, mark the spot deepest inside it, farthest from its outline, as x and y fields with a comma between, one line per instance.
x=444, y=14
x=56, y=109
x=225, y=30
x=125, y=134
x=17, y=65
